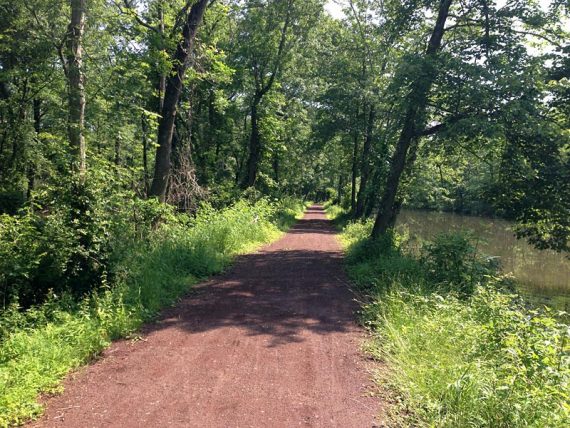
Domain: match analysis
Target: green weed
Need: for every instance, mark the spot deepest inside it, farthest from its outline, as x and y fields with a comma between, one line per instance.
x=39, y=346
x=460, y=350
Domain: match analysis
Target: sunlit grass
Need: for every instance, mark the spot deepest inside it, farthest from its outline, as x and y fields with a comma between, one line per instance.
x=456, y=354
x=41, y=345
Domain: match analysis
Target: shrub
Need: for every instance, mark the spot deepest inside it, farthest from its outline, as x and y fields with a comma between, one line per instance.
x=460, y=352
x=340, y=216
x=152, y=265
x=69, y=238
x=451, y=262
x=482, y=362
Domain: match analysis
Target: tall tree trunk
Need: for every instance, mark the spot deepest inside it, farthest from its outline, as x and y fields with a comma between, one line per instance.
x=37, y=107
x=18, y=139
x=254, y=147
x=161, y=77
x=372, y=196
x=261, y=88
x=182, y=145
x=76, y=88
x=144, y=129
x=240, y=157
x=276, y=164
x=365, y=164
x=414, y=120
x=354, y=172
x=340, y=185
x=172, y=93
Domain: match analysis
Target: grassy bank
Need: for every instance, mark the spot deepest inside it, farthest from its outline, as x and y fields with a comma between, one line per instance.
x=41, y=345
x=461, y=350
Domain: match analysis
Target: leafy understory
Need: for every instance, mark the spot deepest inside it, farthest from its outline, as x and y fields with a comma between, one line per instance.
x=41, y=345
x=120, y=120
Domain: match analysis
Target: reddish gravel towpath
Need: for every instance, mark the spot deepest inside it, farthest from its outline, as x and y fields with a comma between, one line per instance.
x=270, y=343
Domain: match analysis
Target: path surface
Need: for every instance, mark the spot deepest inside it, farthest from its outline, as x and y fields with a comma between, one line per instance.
x=270, y=343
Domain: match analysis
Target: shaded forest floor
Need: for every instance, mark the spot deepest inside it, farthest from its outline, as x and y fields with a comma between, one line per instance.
x=272, y=342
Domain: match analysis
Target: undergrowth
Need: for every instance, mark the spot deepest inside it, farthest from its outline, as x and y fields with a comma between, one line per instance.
x=39, y=345
x=461, y=349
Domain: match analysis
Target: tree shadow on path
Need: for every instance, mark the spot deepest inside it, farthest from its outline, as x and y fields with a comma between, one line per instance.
x=282, y=292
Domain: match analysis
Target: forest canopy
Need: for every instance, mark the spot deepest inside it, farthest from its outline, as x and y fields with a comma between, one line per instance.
x=120, y=109
x=144, y=144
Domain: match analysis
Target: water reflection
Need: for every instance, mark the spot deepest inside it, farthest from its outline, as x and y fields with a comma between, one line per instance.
x=543, y=274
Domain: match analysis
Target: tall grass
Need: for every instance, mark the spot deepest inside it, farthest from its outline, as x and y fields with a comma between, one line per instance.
x=39, y=346
x=461, y=350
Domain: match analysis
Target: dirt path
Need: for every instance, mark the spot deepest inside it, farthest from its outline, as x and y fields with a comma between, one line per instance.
x=270, y=343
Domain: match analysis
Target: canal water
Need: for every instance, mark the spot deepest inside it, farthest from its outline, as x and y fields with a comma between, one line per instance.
x=543, y=275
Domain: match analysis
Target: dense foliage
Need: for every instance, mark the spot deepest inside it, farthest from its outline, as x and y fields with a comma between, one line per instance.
x=140, y=140
x=280, y=96
x=38, y=347
x=461, y=348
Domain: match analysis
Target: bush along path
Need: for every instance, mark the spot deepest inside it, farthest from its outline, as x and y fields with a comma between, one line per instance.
x=150, y=266
x=271, y=342
x=458, y=348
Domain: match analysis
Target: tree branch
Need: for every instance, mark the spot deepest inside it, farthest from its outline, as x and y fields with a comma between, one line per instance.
x=442, y=126
x=280, y=50
x=135, y=15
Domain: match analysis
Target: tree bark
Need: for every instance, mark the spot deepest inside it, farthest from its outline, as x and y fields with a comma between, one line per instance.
x=172, y=93
x=276, y=165
x=76, y=85
x=414, y=121
x=354, y=173
x=254, y=146
x=371, y=197
x=144, y=130
x=31, y=173
x=161, y=77
x=340, y=185
x=365, y=164
x=261, y=88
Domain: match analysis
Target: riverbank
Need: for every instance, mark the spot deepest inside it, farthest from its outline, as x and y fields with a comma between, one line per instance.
x=543, y=275
x=460, y=348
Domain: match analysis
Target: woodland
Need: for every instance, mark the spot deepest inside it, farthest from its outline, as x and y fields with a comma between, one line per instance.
x=144, y=143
